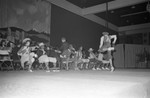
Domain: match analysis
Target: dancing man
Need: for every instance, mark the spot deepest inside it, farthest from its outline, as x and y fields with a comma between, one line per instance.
x=106, y=48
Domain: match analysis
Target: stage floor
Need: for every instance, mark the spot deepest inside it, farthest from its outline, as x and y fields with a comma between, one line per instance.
x=122, y=83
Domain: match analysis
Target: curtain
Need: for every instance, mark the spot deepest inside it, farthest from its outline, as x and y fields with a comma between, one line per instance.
x=26, y=14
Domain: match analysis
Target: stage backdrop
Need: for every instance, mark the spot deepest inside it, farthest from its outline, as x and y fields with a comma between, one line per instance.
x=25, y=14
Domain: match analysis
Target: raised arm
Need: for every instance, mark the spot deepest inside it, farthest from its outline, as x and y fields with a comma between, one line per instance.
x=101, y=42
x=21, y=51
x=114, y=37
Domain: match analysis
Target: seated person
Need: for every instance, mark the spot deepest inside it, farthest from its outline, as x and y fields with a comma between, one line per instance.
x=104, y=62
x=93, y=59
x=43, y=58
x=80, y=58
x=3, y=44
x=64, y=45
x=66, y=56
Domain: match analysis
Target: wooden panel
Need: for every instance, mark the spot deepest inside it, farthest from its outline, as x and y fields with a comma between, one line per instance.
x=131, y=58
x=119, y=56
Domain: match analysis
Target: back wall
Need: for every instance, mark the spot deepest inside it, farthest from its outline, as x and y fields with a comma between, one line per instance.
x=76, y=29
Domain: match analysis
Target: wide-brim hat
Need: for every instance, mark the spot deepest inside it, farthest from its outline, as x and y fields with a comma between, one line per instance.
x=41, y=44
x=105, y=33
x=26, y=39
x=90, y=49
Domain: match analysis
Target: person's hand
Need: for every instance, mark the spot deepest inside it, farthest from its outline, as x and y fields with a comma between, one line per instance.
x=113, y=43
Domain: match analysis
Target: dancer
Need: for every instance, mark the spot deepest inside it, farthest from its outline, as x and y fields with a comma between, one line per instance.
x=105, y=46
x=26, y=54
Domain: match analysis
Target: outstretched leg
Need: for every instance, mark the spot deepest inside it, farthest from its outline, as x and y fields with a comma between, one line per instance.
x=110, y=61
x=30, y=65
x=30, y=62
x=111, y=65
x=22, y=64
x=24, y=59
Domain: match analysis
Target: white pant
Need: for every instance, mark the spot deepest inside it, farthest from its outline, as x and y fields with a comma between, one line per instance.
x=27, y=58
x=46, y=59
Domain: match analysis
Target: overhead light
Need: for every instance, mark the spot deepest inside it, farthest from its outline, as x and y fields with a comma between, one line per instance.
x=112, y=12
x=133, y=14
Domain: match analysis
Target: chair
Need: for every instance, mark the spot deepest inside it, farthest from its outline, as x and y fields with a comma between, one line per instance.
x=16, y=59
x=5, y=61
x=6, y=64
x=17, y=63
x=65, y=61
x=104, y=62
x=85, y=62
x=54, y=53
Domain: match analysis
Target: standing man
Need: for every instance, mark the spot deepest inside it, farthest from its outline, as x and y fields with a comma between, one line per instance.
x=106, y=48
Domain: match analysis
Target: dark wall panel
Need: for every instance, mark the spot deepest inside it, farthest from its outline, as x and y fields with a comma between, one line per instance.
x=78, y=30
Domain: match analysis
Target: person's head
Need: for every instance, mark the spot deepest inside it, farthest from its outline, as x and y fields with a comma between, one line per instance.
x=63, y=39
x=3, y=42
x=26, y=41
x=90, y=50
x=105, y=33
x=41, y=45
x=48, y=48
x=80, y=48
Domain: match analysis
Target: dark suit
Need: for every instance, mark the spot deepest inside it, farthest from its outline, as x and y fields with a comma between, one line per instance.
x=64, y=46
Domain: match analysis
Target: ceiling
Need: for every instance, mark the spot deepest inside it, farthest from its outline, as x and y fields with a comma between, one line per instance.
x=87, y=3
x=123, y=16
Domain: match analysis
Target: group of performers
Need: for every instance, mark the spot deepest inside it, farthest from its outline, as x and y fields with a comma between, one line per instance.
x=28, y=55
x=68, y=55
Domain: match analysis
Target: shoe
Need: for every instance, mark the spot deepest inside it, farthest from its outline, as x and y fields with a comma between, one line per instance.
x=98, y=68
x=103, y=68
x=48, y=71
x=30, y=70
x=112, y=69
x=106, y=68
x=93, y=69
x=56, y=70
